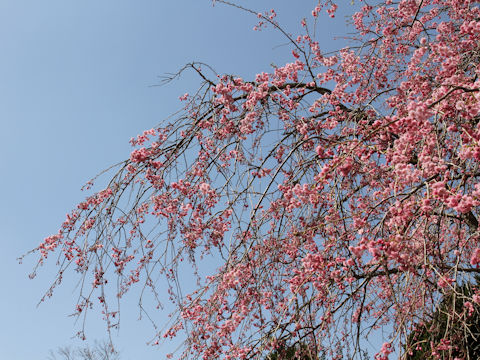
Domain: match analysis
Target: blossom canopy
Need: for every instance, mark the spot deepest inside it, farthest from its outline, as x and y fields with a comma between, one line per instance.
x=330, y=197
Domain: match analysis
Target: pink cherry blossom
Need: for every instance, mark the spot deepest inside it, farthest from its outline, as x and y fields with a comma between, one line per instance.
x=335, y=196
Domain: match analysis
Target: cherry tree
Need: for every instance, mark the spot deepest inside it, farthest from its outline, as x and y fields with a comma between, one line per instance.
x=313, y=206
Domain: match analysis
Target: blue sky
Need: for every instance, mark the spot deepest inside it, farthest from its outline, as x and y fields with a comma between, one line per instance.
x=75, y=85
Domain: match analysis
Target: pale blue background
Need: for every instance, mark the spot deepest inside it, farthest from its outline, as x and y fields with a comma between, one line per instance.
x=75, y=86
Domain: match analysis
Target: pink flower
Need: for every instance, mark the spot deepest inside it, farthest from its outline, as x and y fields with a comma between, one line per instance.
x=475, y=258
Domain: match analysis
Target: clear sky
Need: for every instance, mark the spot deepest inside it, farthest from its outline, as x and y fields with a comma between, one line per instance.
x=75, y=86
